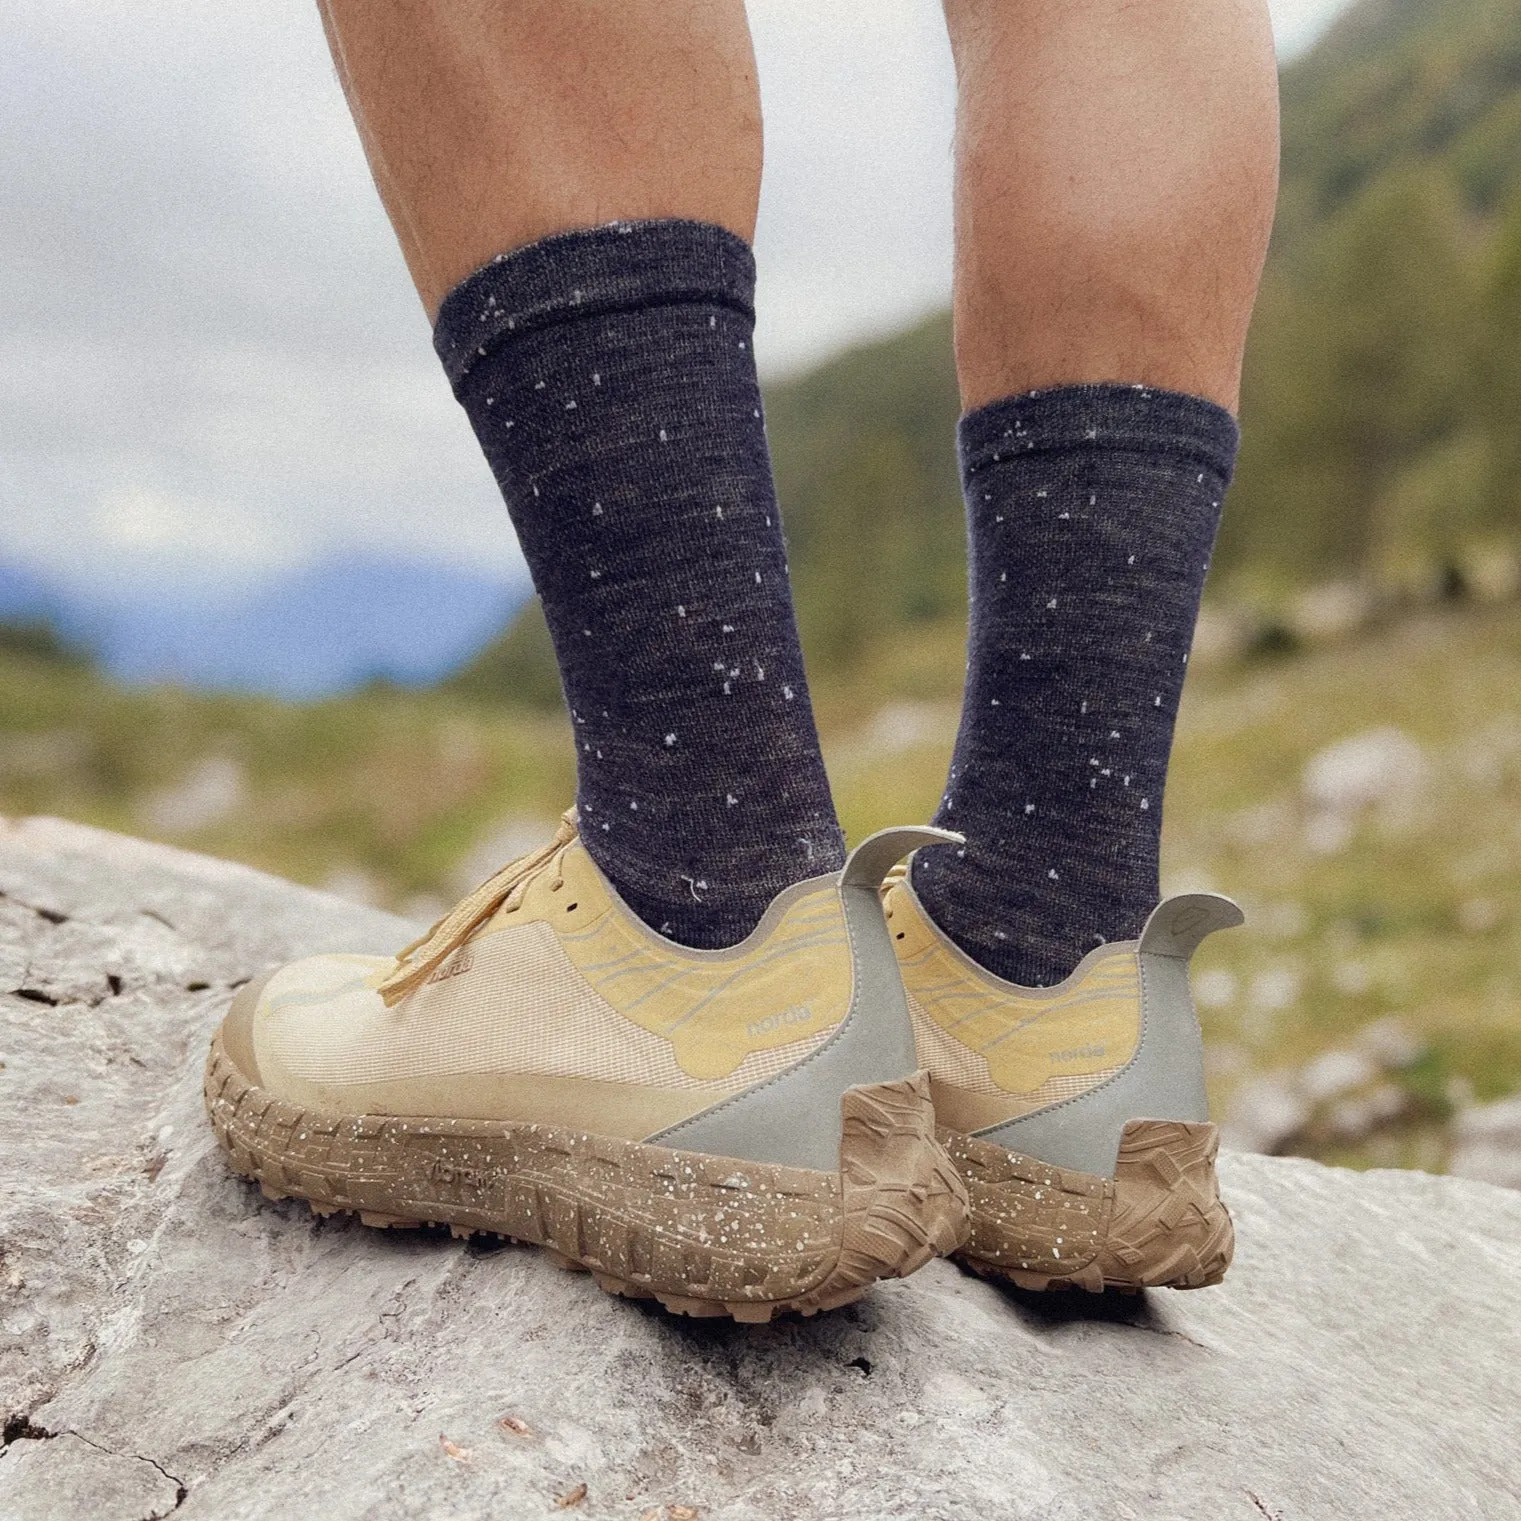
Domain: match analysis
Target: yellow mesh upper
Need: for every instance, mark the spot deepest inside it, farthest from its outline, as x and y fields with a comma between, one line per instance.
x=564, y=982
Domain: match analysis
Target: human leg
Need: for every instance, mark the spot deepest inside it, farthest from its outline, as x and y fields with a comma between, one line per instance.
x=1115, y=179
x=1115, y=176
x=609, y=374
x=671, y=1046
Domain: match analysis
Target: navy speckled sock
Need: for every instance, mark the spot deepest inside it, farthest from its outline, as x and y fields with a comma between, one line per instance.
x=610, y=378
x=1092, y=513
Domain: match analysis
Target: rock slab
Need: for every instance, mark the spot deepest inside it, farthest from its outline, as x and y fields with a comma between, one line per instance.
x=173, y=1343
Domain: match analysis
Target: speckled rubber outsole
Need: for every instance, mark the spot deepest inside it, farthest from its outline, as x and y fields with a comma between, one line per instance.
x=704, y=1235
x=1158, y=1223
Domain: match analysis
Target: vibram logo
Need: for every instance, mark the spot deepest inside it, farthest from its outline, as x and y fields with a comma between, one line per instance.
x=797, y=1014
x=461, y=961
x=1078, y=1053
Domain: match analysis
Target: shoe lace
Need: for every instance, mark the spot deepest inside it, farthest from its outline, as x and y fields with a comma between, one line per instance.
x=416, y=963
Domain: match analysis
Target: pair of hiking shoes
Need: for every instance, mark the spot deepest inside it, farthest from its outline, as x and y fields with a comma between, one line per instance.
x=774, y=1126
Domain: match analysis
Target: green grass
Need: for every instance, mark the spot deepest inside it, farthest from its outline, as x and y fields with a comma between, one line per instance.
x=1417, y=913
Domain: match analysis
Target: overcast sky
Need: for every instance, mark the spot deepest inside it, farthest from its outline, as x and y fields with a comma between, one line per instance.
x=212, y=366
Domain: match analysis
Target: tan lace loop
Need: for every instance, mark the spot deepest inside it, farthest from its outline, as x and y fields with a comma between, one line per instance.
x=418, y=961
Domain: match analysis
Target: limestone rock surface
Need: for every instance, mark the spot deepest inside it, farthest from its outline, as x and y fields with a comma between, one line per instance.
x=173, y=1343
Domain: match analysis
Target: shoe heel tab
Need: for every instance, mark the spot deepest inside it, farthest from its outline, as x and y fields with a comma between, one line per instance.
x=1179, y=925
x=869, y=863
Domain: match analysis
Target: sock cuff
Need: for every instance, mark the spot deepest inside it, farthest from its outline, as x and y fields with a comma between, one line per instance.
x=570, y=275
x=1107, y=416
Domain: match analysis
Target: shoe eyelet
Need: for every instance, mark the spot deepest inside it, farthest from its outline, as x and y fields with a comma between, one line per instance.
x=570, y=908
x=900, y=934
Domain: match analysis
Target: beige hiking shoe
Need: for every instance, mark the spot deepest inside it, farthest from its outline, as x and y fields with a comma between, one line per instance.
x=1076, y=1114
x=731, y=1132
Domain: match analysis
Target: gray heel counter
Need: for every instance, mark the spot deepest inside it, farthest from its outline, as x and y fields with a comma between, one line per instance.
x=794, y=1119
x=1164, y=1080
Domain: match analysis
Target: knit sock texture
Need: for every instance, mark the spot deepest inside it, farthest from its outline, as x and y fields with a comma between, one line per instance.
x=610, y=378
x=1092, y=513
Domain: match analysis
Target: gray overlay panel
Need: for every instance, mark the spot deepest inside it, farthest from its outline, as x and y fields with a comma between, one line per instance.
x=1164, y=1080
x=794, y=1119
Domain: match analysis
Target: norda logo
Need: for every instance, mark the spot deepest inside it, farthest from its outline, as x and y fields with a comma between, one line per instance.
x=797, y=1014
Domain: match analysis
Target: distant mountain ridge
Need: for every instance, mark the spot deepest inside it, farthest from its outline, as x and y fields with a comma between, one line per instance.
x=325, y=628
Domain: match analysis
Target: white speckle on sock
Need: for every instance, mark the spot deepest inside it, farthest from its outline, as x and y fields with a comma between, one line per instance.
x=596, y=377
x=1093, y=760
x=1092, y=499
x=1131, y=560
x=539, y=386
x=587, y=632
x=1092, y=433
x=1114, y=734
x=663, y=438
x=1200, y=481
x=1029, y=807
x=1084, y=707
x=731, y=800
x=633, y=806
x=1051, y=603
x=1052, y=875
x=1156, y=701
x=596, y=575
x=1042, y=493
x=670, y=740
x=1127, y=781
x=508, y=424
x=596, y=509
x=712, y=321
x=741, y=343
x=570, y=406
x=999, y=935
x=491, y=401
x=961, y=854
x=1145, y=802
x=1063, y=514
x=728, y=628
x=535, y=488
x=1003, y=576
x=1024, y=654
x=756, y=412
x=995, y=703
x=757, y=578
x=788, y=693
x=727, y=692
x=760, y=671
x=681, y=611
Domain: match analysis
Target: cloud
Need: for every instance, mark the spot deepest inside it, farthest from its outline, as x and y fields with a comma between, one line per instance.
x=205, y=304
